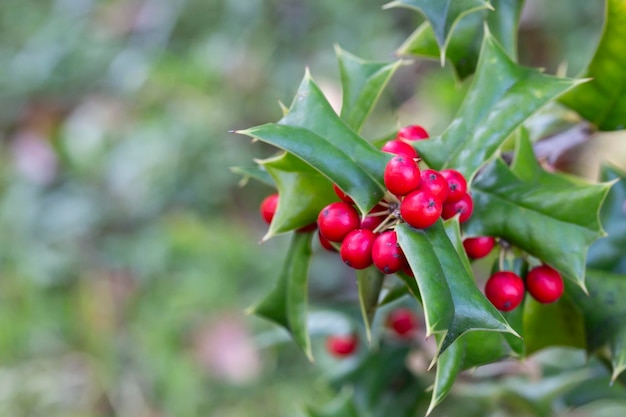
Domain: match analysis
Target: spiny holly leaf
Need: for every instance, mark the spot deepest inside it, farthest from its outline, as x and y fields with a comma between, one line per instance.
x=255, y=172
x=443, y=15
x=604, y=312
x=502, y=95
x=452, y=303
x=550, y=216
x=362, y=83
x=286, y=303
x=303, y=193
x=603, y=100
x=314, y=133
x=370, y=282
x=555, y=324
x=464, y=46
x=609, y=254
x=470, y=350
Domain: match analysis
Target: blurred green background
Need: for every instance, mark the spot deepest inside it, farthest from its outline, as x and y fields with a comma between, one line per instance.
x=128, y=252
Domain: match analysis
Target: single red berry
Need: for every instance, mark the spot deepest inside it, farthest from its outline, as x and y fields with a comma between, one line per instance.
x=402, y=321
x=464, y=207
x=505, y=290
x=372, y=220
x=387, y=254
x=434, y=182
x=343, y=196
x=398, y=147
x=544, y=284
x=325, y=243
x=336, y=220
x=268, y=207
x=412, y=132
x=420, y=209
x=356, y=248
x=457, y=185
x=478, y=247
x=402, y=175
x=341, y=345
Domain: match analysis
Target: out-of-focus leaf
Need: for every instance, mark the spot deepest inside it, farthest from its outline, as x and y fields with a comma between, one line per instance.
x=452, y=303
x=551, y=216
x=286, y=303
x=303, y=193
x=442, y=15
x=502, y=96
x=362, y=83
x=609, y=253
x=255, y=172
x=314, y=133
x=555, y=324
x=341, y=406
x=603, y=100
x=464, y=45
x=370, y=282
x=604, y=312
x=394, y=293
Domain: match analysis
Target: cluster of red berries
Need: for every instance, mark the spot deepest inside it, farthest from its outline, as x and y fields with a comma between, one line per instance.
x=401, y=322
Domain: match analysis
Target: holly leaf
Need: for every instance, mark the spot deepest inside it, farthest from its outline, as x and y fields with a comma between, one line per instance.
x=550, y=216
x=464, y=45
x=362, y=83
x=604, y=312
x=314, y=133
x=303, y=193
x=502, y=96
x=442, y=15
x=609, y=253
x=452, y=303
x=370, y=283
x=286, y=304
x=468, y=351
x=603, y=100
x=255, y=172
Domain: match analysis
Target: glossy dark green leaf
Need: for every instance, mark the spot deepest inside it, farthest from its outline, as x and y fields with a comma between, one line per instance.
x=442, y=15
x=556, y=324
x=603, y=100
x=604, y=312
x=609, y=253
x=362, y=83
x=303, y=193
x=551, y=216
x=452, y=303
x=464, y=46
x=255, y=172
x=286, y=304
x=341, y=406
x=314, y=133
x=470, y=350
x=502, y=96
x=370, y=282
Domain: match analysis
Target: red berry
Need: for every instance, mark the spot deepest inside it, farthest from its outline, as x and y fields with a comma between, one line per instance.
x=402, y=175
x=343, y=196
x=341, y=345
x=457, y=186
x=434, y=182
x=420, y=209
x=398, y=147
x=464, y=207
x=268, y=207
x=336, y=220
x=387, y=254
x=356, y=248
x=402, y=321
x=325, y=242
x=544, y=284
x=478, y=247
x=412, y=132
x=372, y=221
x=505, y=290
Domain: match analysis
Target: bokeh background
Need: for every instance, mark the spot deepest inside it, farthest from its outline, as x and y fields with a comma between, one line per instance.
x=128, y=250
